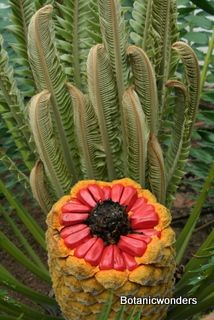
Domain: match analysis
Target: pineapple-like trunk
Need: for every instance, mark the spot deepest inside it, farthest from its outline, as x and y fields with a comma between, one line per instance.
x=110, y=240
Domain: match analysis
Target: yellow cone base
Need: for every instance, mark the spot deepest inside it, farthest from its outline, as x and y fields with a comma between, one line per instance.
x=86, y=297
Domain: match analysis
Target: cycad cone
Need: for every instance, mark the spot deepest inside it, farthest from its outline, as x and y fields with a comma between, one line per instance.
x=85, y=269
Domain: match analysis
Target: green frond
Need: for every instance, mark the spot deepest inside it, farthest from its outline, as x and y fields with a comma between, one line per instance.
x=77, y=30
x=150, y=27
x=94, y=23
x=186, y=104
x=172, y=59
x=192, y=79
x=88, y=136
x=162, y=27
x=112, y=26
x=22, y=311
x=22, y=239
x=13, y=110
x=8, y=280
x=22, y=11
x=48, y=74
x=141, y=22
x=154, y=30
x=179, y=146
x=39, y=188
x=15, y=171
x=179, y=122
x=202, y=256
x=103, y=95
x=47, y=146
x=137, y=135
x=113, y=34
x=30, y=223
x=174, y=36
x=156, y=169
x=144, y=84
x=197, y=280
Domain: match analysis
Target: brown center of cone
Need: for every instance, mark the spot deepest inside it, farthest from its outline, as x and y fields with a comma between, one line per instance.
x=108, y=220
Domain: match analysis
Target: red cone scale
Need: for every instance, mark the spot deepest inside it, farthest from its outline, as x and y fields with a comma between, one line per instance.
x=141, y=220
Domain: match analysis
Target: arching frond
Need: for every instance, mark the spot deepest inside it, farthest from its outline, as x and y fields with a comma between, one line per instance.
x=113, y=34
x=174, y=36
x=192, y=79
x=178, y=149
x=38, y=187
x=103, y=94
x=77, y=30
x=22, y=11
x=12, y=109
x=47, y=146
x=154, y=30
x=141, y=22
x=162, y=27
x=137, y=135
x=190, y=104
x=94, y=23
x=48, y=74
x=88, y=136
x=149, y=26
x=144, y=84
x=156, y=170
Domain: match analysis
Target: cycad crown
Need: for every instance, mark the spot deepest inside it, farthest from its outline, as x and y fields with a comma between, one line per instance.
x=103, y=110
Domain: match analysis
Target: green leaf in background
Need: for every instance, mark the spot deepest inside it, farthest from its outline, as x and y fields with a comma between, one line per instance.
x=208, y=96
x=184, y=11
x=201, y=154
x=4, y=17
x=207, y=6
x=198, y=37
x=199, y=21
x=207, y=116
x=183, y=2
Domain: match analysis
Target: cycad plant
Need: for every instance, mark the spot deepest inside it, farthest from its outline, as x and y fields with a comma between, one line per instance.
x=102, y=111
x=100, y=106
